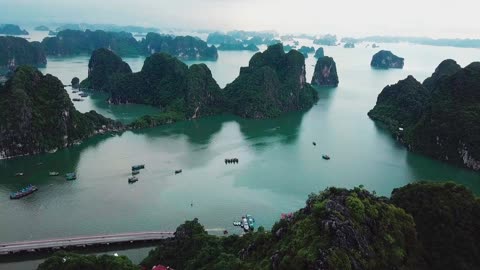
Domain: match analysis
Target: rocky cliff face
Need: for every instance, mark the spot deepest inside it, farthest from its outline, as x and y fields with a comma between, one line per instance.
x=36, y=115
x=386, y=59
x=273, y=83
x=183, y=47
x=16, y=51
x=102, y=66
x=442, y=121
x=325, y=73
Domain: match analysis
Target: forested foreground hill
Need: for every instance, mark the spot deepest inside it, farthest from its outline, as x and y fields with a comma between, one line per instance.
x=422, y=226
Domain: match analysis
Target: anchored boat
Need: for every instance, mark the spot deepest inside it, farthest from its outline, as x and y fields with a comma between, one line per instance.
x=71, y=176
x=19, y=174
x=326, y=157
x=23, y=192
x=135, y=172
x=132, y=179
x=138, y=167
x=53, y=173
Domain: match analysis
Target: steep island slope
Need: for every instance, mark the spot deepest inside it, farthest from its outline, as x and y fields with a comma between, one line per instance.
x=439, y=118
x=15, y=51
x=273, y=83
x=36, y=115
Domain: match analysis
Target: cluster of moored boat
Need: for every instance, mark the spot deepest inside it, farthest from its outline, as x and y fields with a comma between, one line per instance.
x=326, y=157
x=135, y=171
x=231, y=161
x=31, y=188
x=81, y=94
x=247, y=223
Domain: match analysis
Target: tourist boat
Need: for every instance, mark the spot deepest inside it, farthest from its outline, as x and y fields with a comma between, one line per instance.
x=326, y=157
x=132, y=179
x=83, y=94
x=314, y=143
x=19, y=174
x=77, y=99
x=178, y=171
x=75, y=91
x=135, y=172
x=23, y=192
x=71, y=176
x=53, y=173
x=138, y=167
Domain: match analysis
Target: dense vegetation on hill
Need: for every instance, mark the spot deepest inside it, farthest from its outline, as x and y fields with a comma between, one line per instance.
x=319, y=53
x=462, y=43
x=73, y=42
x=107, y=27
x=306, y=50
x=447, y=218
x=42, y=28
x=36, y=115
x=386, y=59
x=103, y=64
x=273, y=83
x=401, y=104
x=220, y=38
x=326, y=40
x=325, y=73
x=238, y=47
x=440, y=118
x=183, y=47
x=337, y=229
x=423, y=226
x=70, y=261
x=12, y=29
x=15, y=51
x=168, y=83
x=242, y=37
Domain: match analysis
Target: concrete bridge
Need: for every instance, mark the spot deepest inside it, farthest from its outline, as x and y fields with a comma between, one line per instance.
x=81, y=242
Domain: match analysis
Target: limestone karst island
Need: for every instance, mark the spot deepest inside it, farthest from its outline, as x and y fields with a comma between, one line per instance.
x=239, y=135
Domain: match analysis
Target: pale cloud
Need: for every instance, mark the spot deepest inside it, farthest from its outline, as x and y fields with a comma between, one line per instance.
x=407, y=17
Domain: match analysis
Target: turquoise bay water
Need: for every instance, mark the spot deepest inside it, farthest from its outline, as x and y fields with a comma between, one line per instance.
x=278, y=166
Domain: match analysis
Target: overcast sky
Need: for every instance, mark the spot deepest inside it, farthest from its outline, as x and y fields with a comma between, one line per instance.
x=434, y=18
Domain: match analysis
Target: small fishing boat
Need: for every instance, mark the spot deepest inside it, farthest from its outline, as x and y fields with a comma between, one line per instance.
x=314, y=143
x=326, y=157
x=53, y=173
x=135, y=172
x=75, y=91
x=19, y=174
x=77, y=99
x=138, y=167
x=178, y=171
x=23, y=192
x=132, y=179
x=71, y=176
x=83, y=94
